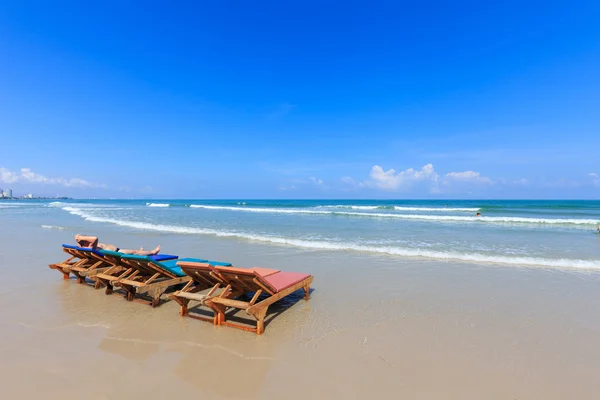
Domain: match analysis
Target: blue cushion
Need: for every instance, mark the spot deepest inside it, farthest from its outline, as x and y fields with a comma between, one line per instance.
x=161, y=257
x=171, y=265
x=219, y=263
x=156, y=257
x=136, y=257
x=84, y=249
x=111, y=253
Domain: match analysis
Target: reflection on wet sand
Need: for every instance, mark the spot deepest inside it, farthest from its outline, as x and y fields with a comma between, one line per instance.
x=209, y=357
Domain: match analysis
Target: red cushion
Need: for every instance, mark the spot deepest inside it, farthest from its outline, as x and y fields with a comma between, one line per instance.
x=284, y=280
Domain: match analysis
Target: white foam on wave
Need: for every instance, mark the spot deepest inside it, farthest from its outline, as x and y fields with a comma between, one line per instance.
x=158, y=204
x=345, y=246
x=54, y=227
x=354, y=207
x=436, y=209
x=11, y=204
x=407, y=208
x=424, y=217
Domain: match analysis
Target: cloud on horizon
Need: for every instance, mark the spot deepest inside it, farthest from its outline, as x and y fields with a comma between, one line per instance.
x=26, y=175
x=595, y=178
x=425, y=178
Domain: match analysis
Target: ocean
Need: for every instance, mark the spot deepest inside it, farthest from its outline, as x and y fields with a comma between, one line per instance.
x=514, y=233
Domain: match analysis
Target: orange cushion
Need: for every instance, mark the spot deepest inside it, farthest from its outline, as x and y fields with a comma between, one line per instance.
x=234, y=270
x=195, y=265
x=264, y=271
x=284, y=280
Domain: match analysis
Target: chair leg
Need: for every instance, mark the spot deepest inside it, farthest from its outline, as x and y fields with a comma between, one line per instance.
x=80, y=279
x=306, y=292
x=260, y=320
x=129, y=292
x=183, y=311
x=155, y=295
x=219, y=311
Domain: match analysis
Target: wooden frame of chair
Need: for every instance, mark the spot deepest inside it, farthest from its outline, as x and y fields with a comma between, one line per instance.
x=117, y=271
x=89, y=265
x=204, y=276
x=148, y=279
x=65, y=267
x=97, y=265
x=250, y=281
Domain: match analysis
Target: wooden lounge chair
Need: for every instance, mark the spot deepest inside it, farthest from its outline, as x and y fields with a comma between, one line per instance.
x=204, y=276
x=84, y=262
x=75, y=258
x=120, y=269
x=273, y=283
x=151, y=277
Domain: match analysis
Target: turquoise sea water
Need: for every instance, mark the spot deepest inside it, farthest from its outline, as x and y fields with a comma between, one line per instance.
x=513, y=233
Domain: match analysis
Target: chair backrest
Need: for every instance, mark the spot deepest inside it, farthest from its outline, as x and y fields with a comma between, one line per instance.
x=148, y=266
x=202, y=273
x=71, y=251
x=115, y=256
x=82, y=252
x=112, y=257
x=246, y=279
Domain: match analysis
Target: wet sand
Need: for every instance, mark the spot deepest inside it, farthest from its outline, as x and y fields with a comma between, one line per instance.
x=382, y=326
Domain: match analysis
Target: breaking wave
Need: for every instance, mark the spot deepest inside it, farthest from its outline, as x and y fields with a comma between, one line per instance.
x=54, y=227
x=424, y=217
x=158, y=204
x=407, y=208
x=347, y=246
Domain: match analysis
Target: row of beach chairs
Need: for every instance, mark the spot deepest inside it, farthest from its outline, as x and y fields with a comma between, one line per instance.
x=210, y=286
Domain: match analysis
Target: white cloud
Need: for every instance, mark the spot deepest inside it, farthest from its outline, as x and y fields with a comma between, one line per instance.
x=468, y=177
x=285, y=188
x=350, y=181
x=316, y=181
x=425, y=178
x=521, y=182
x=392, y=180
x=7, y=176
x=26, y=175
x=595, y=178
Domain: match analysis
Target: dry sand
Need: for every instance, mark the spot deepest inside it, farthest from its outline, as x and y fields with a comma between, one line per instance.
x=374, y=326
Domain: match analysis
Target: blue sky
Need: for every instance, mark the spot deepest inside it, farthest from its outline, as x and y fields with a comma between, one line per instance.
x=301, y=99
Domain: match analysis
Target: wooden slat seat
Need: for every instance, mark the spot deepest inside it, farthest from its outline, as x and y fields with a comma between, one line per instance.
x=204, y=277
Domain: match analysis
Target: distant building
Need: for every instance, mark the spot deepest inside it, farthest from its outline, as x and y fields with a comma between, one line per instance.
x=1, y=193
x=7, y=193
x=28, y=196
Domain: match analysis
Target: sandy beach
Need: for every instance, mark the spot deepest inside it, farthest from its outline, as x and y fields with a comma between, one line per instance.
x=374, y=325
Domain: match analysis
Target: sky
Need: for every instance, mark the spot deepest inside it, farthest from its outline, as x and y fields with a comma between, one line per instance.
x=300, y=99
